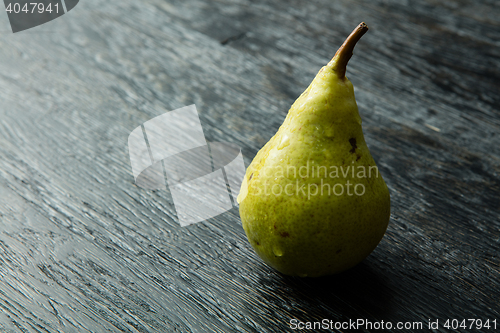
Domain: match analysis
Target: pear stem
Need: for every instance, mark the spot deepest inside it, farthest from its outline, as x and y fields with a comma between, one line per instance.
x=344, y=53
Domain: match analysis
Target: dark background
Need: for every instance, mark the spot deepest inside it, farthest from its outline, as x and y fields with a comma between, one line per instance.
x=82, y=249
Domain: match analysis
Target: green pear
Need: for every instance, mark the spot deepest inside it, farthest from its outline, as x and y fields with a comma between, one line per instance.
x=313, y=202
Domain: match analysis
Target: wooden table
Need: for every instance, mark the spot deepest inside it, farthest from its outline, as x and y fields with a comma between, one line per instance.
x=83, y=249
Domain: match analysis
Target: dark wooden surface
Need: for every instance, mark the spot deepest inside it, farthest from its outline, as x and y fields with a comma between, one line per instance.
x=82, y=249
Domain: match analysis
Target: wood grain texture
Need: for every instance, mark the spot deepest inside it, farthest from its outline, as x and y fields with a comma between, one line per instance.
x=82, y=249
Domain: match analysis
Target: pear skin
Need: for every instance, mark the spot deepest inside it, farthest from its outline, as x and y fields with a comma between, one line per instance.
x=313, y=201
